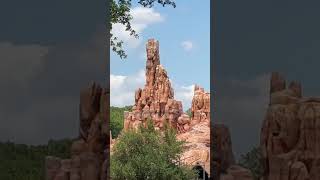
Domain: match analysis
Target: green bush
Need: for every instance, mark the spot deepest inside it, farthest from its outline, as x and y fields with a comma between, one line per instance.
x=148, y=154
x=252, y=161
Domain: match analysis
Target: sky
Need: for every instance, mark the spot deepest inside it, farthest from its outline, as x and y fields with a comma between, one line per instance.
x=49, y=51
x=184, y=38
x=254, y=39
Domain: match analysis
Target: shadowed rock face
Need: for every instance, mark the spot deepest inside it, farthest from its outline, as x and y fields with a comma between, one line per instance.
x=223, y=163
x=290, y=135
x=89, y=153
x=156, y=101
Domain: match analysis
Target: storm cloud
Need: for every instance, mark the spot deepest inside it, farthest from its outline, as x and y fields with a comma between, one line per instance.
x=49, y=51
x=255, y=38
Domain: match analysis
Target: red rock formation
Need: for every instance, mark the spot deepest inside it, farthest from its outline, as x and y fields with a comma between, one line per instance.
x=290, y=135
x=90, y=151
x=200, y=107
x=197, y=132
x=156, y=102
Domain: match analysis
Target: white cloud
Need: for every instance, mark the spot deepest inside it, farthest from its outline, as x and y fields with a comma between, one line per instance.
x=184, y=94
x=122, y=90
x=187, y=45
x=116, y=81
x=142, y=18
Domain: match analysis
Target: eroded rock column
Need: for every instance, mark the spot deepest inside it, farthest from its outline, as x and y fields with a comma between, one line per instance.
x=90, y=152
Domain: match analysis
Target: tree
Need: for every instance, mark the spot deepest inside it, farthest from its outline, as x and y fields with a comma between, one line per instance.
x=252, y=161
x=117, y=119
x=120, y=13
x=148, y=154
x=25, y=162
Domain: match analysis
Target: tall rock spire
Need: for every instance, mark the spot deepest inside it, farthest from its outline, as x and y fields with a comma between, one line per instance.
x=155, y=101
x=153, y=60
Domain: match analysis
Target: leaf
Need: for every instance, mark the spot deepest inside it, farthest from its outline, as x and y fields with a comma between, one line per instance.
x=120, y=13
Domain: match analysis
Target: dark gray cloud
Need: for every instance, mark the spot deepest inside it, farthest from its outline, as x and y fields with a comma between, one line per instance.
x=49, y=51
x=241, y=106
x=40, y=87
x=50, y=22
x=254, y=39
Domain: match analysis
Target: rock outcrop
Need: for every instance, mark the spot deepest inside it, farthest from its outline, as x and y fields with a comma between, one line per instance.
x=90, y=151
x=200, y=107
x=223, y=163
x=155, y=101
x=197, y=134
x=290, y=135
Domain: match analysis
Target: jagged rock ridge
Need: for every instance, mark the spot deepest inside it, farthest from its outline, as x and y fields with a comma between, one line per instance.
x=290, y=135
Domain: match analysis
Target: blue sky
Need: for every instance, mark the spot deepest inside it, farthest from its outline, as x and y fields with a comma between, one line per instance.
x=184, y=36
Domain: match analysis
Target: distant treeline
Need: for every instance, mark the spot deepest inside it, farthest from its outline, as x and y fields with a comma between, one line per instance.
x=117, y=118
x=26, y=162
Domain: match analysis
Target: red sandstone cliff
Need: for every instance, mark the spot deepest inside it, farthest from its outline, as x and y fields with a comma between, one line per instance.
x=290, y=138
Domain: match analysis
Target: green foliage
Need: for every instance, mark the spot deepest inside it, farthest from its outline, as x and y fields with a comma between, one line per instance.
x=120, y=13
x=116, y=119
x=24, y=162
x=252, y=161
x=150, y=3
x=148, y=154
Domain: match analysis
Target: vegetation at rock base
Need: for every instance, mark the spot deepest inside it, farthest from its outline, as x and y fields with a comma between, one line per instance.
x=252, y=161
x=120, y=13
x=117, y=118
x=148, y=154
x=26, y=162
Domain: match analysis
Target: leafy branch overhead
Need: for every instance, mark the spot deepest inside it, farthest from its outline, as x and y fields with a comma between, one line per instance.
x=120, y=13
